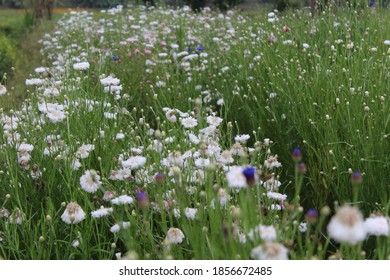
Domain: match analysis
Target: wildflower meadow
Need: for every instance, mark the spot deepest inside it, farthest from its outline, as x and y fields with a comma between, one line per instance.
x=161, y=133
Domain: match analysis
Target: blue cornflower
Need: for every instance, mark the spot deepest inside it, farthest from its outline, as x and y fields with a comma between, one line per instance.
x=249, y=174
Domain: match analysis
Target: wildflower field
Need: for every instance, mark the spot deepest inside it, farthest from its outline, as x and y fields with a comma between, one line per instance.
x=158, y=133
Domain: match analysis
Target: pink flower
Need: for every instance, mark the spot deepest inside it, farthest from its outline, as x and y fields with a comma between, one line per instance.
x=148, y=52
x=163, y=43
x=285, y=28
x=136, y=51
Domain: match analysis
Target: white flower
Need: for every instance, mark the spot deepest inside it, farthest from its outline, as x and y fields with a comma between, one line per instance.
x=174, y=236
x=171, y=115
x=190, y=213
x=102, y=212
x=25, y=148
x=242, y=138
x=34, y=82
x=305, y=46
x=302, y=227
x=272, y=184
x=276, y=196
x=225, y=157
x=347, y=225
x=115, y=228
x=56, y=115
x=81, y=66
x=75, y=164
x=119, y=136
x=272, y=162
x=223, y=197
x=83, y=151
x=40, y=70
x=90, y=181
x=134, y=162
x=202, y=162
x=176, y=213
x=122, y=200
x=387, y=42
x=270, y=251
x=193, y=138
x=125, y=225
x=236, y=178
x=189, y=122
x=110, y=81
x=17, y=217
x=73, y=213
x=213, y=120
x=377, y=226
x=3, y=90
x=266, y=233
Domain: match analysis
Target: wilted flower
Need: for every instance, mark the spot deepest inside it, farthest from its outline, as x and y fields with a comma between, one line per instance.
x=174, y=236
x=73, y=213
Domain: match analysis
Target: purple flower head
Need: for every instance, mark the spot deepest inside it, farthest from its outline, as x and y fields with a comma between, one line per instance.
x=302, y=168
x=200, y=48
x=371, y=4
x=141, y=196
x=297, y=155
x=115, y=58
x=159, y=178
x=356, y=178
x=311, y=216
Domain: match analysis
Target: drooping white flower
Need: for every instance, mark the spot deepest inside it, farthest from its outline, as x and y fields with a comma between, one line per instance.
x=174, y=236
x=73, y=213
x=115, y=228
x=347, y=226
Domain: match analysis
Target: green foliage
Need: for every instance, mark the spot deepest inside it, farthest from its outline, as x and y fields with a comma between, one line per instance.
x=7, y=55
